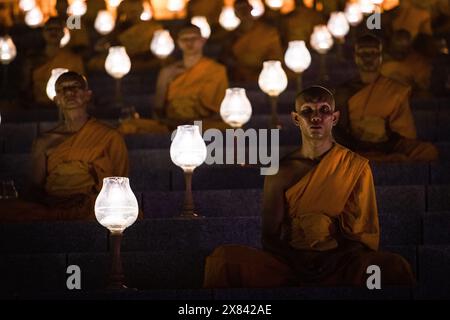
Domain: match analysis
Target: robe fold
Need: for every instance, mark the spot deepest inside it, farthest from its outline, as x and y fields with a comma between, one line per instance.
x=299, y=24
x=41, y=74
x=333, y=221
x=262, y=42
x=379, y=109
x=413, y=19
x=75, y=172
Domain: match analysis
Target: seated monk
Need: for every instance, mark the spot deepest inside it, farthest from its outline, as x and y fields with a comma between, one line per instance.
x=376, y=119
x=299, y=24
x=252, y=43
x=70, y=161
x=406, y=65
x=38, y=68
x=319, y=220
x=412, y=18
x=187, y=90
x=132, y=33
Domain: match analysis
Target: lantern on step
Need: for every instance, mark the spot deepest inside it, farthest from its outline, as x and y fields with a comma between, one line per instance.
x=258, y=8
x=228, y=19
x=162, y=44
x=104, y=22
x=50, y=89
x=338, y=27
x=34, y=17
x=146, y=14
x=175, y=5
x=298, y=59
x=118, y=64
x=353, y=13
x=321, y=41
x=203, y=24
x=116, y=208
x=367, y=6
x=27, y=5
x=77, y=8
x=65, y=39
x=275, y=4
x=235, y=108
x=8, y=50
x=188, y=151
x=273, y=81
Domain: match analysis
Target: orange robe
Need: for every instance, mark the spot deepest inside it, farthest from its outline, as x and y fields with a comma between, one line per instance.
x=262, y=42
x=299, y=24
x=41, y=74
x=413, y=19
x=207, y=8
x=414, y=71
x=75, y=172
x=381, y=107
x=316, y=227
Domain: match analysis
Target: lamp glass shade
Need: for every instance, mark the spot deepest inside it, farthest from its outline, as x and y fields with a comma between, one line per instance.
x=104, y=22
x=34, y=17
x=203, y=24
x=77, y=8
x=377, y=2
x=367, y=6
x=116, y=206
x=8, y=50
x=353, y=13
x=228, y=19
x=114, y=3
x=146, y=14
x=50, y=89
x=272, y=79
x=321, y=39
x=258, y=8
x=235, y=108
x=297, y=56
x=162, y=44
x=117, y=62
x=175, y=5
x=338, y=25
x=65, y=39
x=27, y=5
x=274, y=4
x=188, y=149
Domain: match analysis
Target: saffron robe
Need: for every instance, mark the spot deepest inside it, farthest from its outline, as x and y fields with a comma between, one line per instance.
x=319, y=230
x=413, y=19
x=75, y=171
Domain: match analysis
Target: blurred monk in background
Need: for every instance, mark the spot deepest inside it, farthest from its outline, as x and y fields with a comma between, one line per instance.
x=70, y=161
x=376, y=119
x=319, y=221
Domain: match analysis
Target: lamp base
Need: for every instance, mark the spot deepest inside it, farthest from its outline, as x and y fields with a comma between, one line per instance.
x=189, y=215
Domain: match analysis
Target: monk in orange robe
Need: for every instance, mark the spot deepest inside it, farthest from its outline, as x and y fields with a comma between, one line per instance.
x=406, y=65
x=376, y=119
x=299, y=24
x=187, y=90
x=412, y=18
x=309, y=241
x=70, y=161
x=38, y=68
x=252, y=43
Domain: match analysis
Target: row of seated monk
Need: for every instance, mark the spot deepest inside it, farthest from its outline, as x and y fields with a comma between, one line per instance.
x=244, y=51
x=306, y=241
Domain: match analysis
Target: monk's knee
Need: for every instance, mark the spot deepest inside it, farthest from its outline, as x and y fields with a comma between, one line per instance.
x=395, y=270
x=230, y=251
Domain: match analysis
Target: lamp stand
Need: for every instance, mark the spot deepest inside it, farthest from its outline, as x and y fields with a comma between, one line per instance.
x=323, y=76
x=188, y=206
x=299, y=82
x=119, y=97
x=117, y=278
x=274, y=122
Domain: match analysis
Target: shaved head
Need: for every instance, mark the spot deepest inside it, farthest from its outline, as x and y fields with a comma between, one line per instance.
x=189, y=28
x=72, y=76
x=315, y=94
x=368, y=41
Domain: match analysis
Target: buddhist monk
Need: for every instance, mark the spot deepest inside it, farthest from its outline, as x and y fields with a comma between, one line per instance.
x=38, y=68
x=376, y=119
x=70, y=161
x=406, y=65
x=299, y=24
x=252, y=43
x=319, y=220
x=187, y=90
x=412, y=18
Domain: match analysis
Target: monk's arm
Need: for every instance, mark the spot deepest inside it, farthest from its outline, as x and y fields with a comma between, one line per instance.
x=160, y=96
x=359, y=220
x=275, y=49
x=38, y=169
x=214, y=91
x=272, y=219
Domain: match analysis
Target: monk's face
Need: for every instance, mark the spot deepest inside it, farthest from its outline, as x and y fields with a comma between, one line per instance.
x=72, y=95
x=315, y=119
x=191, y=42
x=368, y=58
x=53, y=33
